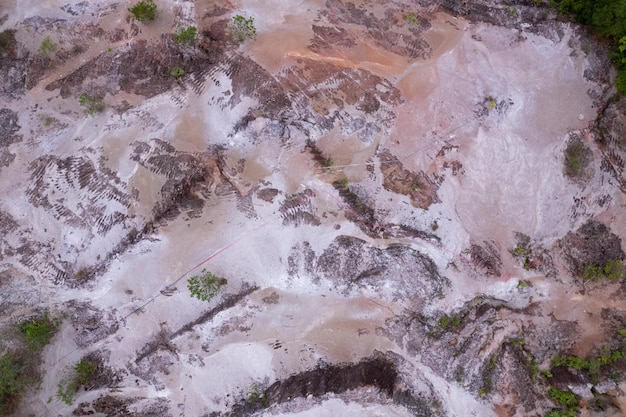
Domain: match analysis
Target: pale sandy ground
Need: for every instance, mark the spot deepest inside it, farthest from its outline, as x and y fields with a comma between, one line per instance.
x=511, y=181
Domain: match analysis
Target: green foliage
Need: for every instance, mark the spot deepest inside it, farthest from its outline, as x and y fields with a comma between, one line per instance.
x=7, y=42
x=622, y=332
x=177, y=72
x=82, y=374
x=91, y=104
x=575, y=154
x=145, y=10
x=412, y=19
x=460, y=374
x=487, y=376
x=547, y=374
x=206, y=286
x=38, y=332
x=612, y=270
x=566, y=398
x=186, y=35
x=446, y=322
x=85, y=371
x=242, y=28
x=606, y=17
x=47, y=47
x=12, y=382
x=328, y=162
x=570, y=361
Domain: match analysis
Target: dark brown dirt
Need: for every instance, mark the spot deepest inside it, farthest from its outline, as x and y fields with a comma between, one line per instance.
x=487, y=257
x=592, y=244
x=90, y=324
x=378, y=371
x=611, y=133
x=421, y=190
x=390, y=29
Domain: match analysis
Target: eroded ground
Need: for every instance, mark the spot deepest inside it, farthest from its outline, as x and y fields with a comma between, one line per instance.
x=381, y=183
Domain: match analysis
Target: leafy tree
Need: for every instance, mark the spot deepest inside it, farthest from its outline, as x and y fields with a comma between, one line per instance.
x=243, y=28
x=206, y=286
x=186, y=35
x=606, y=17
x=145, y=10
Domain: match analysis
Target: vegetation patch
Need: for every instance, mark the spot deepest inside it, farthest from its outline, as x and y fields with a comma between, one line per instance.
x=38, y=332
x=576, y=158
x=177, y=72
x=607, y=18
x=186, y=35
x=144, y=11
x=47, y=46
x=613, y=270
x=18, y=366
x=206, y=286
x=242, y=29
x=91, y=104
x=8, y=43
x=83, y=373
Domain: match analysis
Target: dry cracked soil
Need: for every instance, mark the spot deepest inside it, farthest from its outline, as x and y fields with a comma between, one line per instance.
x=416, y=207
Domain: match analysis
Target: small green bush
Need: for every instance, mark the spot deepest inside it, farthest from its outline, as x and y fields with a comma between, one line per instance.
x=47, y=47
x=186, y=35
x=206, y=286
x=91, y=104
x=412, y=18
x=612, y=270
x=177, y=72
x=82, y=374
x=575, y=158
x=7, y=42
x=242, y=28
x=12, y=382
x=38, y=332
x=566, y=398
x=144, y=11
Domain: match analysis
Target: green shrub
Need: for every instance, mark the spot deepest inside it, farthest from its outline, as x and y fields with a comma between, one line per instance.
x=242, y=28
x=186, y=35
x=412, y=18
x=91, y=104
x=47, y=46
x=566, y=398
x=206, y=286
x=12, y=382
x=177, y=72
x=82, y=374
x=612, y=270
x=575, y=158
x=144, y=11
x=38, y=332
x=7, y=42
